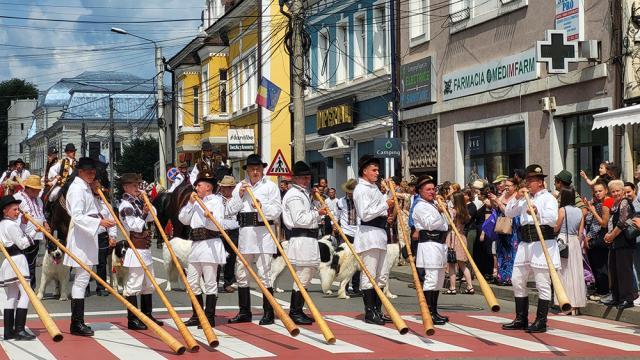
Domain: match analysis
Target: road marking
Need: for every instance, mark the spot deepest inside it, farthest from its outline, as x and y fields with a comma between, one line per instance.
x=158, y=259
x=121, y=344
x=619, y=345
x=491, y=336
x=392, y=334
x=256, y=293
x=317, y=281
x=33, y=349
x=619, y=328
x=229, y=345
x=314, y=339
x=120, y=312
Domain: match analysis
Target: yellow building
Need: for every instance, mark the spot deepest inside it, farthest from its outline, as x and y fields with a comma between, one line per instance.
x=217, y=76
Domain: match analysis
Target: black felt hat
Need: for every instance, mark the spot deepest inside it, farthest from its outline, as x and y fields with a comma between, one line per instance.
x=206, y=146
x=8, y=200
x=86, y=163
x=254, y=159
x=534, y=170
x=19, y=161
x=365, y=161
x=69, y=147
x=301, y=168
x=424, y=180
x=206, y=176
x=130, y=178
x=52, y=150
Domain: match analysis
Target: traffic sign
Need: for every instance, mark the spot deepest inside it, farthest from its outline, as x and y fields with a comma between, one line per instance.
x=279, y=165
x=171, y=174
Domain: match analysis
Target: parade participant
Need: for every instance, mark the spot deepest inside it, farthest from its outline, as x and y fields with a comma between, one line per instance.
x=302, y=220
x=226, y=186
x=6, y=175
x=60, y=171
x=106, y=237
x=431, y=254
x=15, y=241
x=183, y=174
x=348, y=219
x=207, y=250
x=205, y=163
x=32, y=205
x=135, y=216
x=255, y=242
x=82, y=239
x=52, y=158
x=371, y=237
x=20, y=174
x=529, y=256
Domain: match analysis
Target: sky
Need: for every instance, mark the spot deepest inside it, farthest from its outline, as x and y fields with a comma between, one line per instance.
x=43, y=52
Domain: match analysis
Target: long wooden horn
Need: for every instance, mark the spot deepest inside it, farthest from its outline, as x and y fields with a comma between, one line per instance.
x=427, y=321
x=192, y=344
x=42, y=312
x=162, y=333
x=322, y=324
x=277, y=309
x=212, y=339
x=561, y=295
x=398, y=322
x=484, y=286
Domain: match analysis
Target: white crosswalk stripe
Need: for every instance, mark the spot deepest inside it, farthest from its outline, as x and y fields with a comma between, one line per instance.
x=25, y=350
x=229, y=345
x=491, y=336
x=315, y=339
x=619, y=328
x=619, y=345
x=121, y=344
x=392, y=334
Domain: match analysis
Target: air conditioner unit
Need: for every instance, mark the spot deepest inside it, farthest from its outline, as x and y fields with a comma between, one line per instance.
x=589, y=49
x=548, y=104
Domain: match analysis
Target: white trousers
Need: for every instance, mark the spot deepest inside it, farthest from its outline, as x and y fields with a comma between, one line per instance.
x=305, y=274
x=375, y=261
x=80, y=283
x=16, y=297
x=137, y=282
x=520, y=276
x=433, y=279
x=206, y=271
x=263, y=265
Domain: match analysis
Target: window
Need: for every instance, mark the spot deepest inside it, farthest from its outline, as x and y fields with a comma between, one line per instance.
x=342, y=54
x=493, y=151
x=196, y=115
x=360, y=46
x=379, y=37
x=117, y=151
x=21, y=128
x=234, y=88
x=323, y=57
x=94, y=150
x=223, y=91
x=180, y=105
x=21, y=148
x=205, y=90
x=459, y=10
x=418, y=21
x=249, y=82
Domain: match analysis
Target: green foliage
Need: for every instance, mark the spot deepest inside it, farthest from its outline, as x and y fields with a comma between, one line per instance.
x=139, y=156
x=15, y=89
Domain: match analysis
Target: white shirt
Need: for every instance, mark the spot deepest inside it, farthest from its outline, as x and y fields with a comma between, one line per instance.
x=104, y=211
x=546, y=204
x=132, y=222
x=342, y=214
x=231, y=220
x=11, y=234
x=427, y=217
x=332, y=204
x=23, y=175
x=192, y=214
x=35, y=208
x=54, y=170
x=370, y=203
x=298, y=211
x=82, y=239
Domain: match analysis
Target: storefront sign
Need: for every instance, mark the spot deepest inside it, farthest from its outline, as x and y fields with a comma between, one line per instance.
x=387, y=147
x=241, y=143
x=570, y=18
x=335, y=116
x=415, y=83
x=496, y=74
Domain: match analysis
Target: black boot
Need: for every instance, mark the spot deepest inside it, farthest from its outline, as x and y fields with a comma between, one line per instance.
x=301, y=308
x=133, y=323
x=193, y=320
x=435, y=294
x=295, y=310
x=428, y=296
x=379, y=308
x=355, y=285
x=210, y=310
x=267, y=316
x=78, y=327
x=146, y=305
x=370, y=314
x=244, y=302
x=522, y=315
x=21, y=320
x=8, y=323
x=540, y=324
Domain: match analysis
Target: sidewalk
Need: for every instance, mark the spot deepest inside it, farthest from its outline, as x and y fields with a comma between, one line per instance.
x=631, y=315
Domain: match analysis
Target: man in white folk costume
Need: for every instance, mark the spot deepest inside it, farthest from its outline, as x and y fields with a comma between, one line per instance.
x=60, y=171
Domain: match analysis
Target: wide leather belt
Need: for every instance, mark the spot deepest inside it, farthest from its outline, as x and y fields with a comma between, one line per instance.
x=299, y=232
x=432, y=236
x=379, y=222
x=141, y=240
x=529, y=234
x=250, y=219
x=201, y=234
x=14, y=250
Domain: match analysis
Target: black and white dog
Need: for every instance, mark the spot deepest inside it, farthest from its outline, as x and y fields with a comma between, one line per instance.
x=54, y=271
x=117, y=272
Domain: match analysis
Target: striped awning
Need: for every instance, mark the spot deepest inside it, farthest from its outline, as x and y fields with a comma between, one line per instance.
x=624, y=116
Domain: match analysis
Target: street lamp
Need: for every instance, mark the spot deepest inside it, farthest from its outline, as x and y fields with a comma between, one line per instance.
x=159, y=100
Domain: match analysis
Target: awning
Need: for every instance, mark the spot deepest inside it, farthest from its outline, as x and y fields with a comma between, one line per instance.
x=623, y=116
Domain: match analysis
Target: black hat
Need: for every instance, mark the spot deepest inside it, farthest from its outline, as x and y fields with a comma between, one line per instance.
x=534, y=170
x=365, y=160
x=86, y=163
x=254, y=159
x=206, y=176
x=19, y=161
x=130, y=178
x=301, y=168
x=52, y=150
x=69, y=147
x=424, y=180
x=8, y=200
x=206, y=146
x=564, y=176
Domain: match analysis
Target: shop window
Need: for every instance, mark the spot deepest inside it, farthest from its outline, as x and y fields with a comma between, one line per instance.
x=493, y=151
x=94, y=149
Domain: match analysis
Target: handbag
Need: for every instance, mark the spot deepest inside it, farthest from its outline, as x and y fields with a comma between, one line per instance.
x=504, y=226
x=451, y=256
x=563, y=243
x=631, y=232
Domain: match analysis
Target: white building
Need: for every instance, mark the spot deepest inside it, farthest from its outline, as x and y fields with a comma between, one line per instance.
x=19, y=122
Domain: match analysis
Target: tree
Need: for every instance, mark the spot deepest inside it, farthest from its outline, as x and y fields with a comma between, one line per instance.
x=140, y=157
x=11, y=90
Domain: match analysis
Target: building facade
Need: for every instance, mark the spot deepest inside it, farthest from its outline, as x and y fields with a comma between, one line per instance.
x=19, y=120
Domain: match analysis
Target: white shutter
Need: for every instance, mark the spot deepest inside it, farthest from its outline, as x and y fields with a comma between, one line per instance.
x=416, y=25
x=458, y=10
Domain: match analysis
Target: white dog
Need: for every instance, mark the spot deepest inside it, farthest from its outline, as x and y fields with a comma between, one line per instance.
x=182, y=249
x=54, y=270
x=277, y=265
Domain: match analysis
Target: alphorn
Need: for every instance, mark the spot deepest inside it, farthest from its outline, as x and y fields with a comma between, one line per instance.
x=212, y=339
x=162, y=333
x=484, y=286
x=191, y=343
x=561, y=295
x=398, y=322
x=277, y=309
x=42, y=312
x=322, y=324
x=427, y=321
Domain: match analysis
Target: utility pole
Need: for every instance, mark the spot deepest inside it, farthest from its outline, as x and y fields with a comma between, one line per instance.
x=83, y=145
x=298, y=80
x=112, y=149
x=161, y=123
x=394, y=82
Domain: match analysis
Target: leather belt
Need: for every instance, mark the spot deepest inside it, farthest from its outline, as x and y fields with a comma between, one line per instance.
x=250, y=219
x=201, y=234
x=14, y=250
x=380, y=222
x=529, y=234
x=300, y=232
x=432, y=236
x=141, y=240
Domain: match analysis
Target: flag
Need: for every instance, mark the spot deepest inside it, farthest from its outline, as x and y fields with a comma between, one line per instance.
x=268, y=94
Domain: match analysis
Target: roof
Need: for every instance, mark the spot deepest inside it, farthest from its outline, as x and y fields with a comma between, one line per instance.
x=95, y=106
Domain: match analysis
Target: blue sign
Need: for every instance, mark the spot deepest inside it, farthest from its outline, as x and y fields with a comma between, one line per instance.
x=415, y=83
